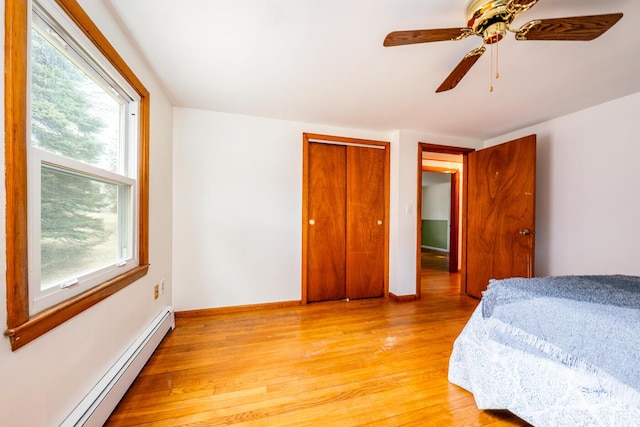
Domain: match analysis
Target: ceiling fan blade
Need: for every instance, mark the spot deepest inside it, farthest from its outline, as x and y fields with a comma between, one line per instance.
x=519, y=6
x=583, y=28
x=461, y=69
x=398, y=38
x=523, y=3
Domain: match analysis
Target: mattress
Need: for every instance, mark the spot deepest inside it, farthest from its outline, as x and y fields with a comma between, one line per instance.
x=560, y=351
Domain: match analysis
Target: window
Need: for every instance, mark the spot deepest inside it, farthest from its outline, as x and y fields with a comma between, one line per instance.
x=76, y=125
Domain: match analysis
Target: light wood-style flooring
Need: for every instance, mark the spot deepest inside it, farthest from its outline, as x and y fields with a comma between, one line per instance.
x=342, y=363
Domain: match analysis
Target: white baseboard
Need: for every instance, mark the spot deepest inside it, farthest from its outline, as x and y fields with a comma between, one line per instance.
x=98, y=404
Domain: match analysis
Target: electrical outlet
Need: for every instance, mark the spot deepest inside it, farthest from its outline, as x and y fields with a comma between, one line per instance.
x=155, y=292
x=162, y=287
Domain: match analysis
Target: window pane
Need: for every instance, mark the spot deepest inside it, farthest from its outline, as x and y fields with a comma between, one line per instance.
x=71, y=114
x=79, y=225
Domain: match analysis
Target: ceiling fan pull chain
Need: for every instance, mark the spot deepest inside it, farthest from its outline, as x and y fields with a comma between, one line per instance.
x=491, y=70
x=497, y=56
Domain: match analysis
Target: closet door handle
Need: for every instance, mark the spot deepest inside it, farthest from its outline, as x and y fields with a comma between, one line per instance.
x=379, y=222
x=312, y=221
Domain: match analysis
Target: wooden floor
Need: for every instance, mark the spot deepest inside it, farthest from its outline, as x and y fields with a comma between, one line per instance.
x=365, y=362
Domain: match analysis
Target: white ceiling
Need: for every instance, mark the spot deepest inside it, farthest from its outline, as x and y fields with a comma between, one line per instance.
x=322, y=61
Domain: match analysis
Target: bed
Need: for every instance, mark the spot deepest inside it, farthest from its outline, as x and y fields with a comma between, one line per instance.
x=555, y=351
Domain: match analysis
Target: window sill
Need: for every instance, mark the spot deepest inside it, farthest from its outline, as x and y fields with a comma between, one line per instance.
x=43, y=322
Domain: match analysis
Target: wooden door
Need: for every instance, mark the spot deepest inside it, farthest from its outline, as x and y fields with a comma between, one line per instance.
x=501, y=213
x=365, y=248
x=326, y=253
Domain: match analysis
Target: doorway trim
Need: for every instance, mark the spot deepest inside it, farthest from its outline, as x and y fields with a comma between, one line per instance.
x=308, y=138
x=442, y=149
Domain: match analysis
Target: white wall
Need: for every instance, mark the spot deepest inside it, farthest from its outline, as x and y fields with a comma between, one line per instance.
x=587, y=196
x=42, y=382
x=436, y=201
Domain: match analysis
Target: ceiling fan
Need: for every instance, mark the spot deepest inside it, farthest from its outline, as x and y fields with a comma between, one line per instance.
x=491, y=19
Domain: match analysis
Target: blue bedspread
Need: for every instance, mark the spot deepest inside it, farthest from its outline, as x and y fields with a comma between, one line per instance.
x=585, y=322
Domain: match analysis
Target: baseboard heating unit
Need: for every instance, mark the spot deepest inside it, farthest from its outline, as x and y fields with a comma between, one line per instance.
x=98, y=404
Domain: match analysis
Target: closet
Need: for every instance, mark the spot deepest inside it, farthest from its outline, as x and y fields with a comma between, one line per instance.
x=345, y=226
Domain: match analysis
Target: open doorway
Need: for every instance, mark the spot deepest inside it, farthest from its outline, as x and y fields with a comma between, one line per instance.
x=497, y=226
x=440, y=211
x=440, y=226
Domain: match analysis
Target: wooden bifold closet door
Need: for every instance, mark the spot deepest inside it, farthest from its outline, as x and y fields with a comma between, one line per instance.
x=327, y=209
x=346, y=222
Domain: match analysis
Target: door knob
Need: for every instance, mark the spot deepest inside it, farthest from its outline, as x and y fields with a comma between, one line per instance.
x=312, y=221
x=379, y=222
x=525, y=231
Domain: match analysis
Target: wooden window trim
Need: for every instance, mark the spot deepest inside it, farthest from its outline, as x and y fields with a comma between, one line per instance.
x=21, y=327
